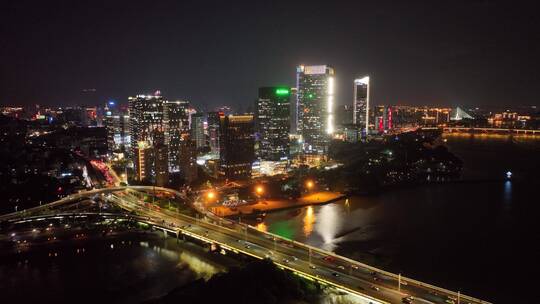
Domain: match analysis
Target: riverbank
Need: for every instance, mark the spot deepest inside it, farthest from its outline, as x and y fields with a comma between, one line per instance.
x=271, y=205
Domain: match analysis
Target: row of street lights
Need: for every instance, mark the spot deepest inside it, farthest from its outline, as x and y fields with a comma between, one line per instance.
x=211, y=194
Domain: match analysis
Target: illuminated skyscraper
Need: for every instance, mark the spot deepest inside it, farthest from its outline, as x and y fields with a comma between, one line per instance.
x=146, y=125
x=293, y=111
x=361, y=104
x=175, y=123
x=188, y=159
x=143, y=156
x=315, y=102
x=213, y=119
x=161, y=164
x=197, y=130
x=272, y=123
x=236, y=146
x=117, y=124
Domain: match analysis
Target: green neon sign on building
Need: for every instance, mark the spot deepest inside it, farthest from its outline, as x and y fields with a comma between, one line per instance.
x=282, y=91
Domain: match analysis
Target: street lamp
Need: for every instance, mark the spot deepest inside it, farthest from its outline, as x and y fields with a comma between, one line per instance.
x=310, y=184
x=259, y=189
x=210, y=195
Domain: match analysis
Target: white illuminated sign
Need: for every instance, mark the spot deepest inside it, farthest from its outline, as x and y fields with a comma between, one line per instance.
x=314, y=69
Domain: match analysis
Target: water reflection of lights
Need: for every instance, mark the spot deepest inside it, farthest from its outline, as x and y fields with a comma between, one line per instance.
x=262, y=227
x=203, y=269
x=508, y=192
x=309, y=220
x=328, y=224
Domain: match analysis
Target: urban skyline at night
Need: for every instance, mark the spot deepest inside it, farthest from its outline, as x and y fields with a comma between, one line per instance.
x=347, y=152
x=418, y=53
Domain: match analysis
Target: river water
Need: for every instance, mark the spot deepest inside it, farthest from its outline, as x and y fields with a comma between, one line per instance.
x=129, y=268
x=476, y=236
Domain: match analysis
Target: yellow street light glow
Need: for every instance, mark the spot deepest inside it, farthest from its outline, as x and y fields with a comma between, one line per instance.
x=309, y=184
x=259, y=189
x=210, y=195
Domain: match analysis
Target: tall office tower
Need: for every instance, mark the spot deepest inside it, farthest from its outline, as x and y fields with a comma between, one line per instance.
x=315, y=106
x=213, y=119
x=380, y=118
x=293, y=110
x=144, y=156
x=273, y=123
x=236, y=146
x=175, y=123
x=161, y=164
x=361, y=104
x=117, y=132
x=188, y=159
x=197, y=130
x=116, y=121
x=146, y=122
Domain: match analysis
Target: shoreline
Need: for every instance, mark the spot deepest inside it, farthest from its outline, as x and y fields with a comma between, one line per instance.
x=268, y=206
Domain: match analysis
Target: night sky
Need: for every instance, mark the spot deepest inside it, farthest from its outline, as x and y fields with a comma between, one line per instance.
x=219, y=52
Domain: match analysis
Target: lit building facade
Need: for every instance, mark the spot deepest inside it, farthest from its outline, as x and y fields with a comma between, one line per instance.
x=143, y=155
x=293, y=110
x=197, y=130
x=381, y=114
x=236, y=146
x=161, y=164
x=315, y=106
x=175, y=123
x=146, y=126
x=188, y=160
x=117, y=125
x=273, y=123
x=214, y=122
x=361, y=104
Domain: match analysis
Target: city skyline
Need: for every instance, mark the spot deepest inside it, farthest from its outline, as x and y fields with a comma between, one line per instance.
x=300, y=151
x=417, y=53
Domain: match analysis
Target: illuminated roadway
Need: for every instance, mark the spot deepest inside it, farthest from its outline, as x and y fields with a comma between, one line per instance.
x=371, y=284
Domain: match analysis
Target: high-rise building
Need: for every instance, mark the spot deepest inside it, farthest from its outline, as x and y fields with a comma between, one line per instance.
x=146, y=123
x=117, y=124
x=361, y=104
x=293, y=110
x=272, y=123
x=236, y=146
x=197, y=130
x=175, y=123
x=214, y=121
x=380, y=114
x=144, y=156
x=161, y=164
x=315, y=101
x=188, y=159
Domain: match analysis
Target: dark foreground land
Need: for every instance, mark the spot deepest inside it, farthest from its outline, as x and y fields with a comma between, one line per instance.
x=257, y=282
